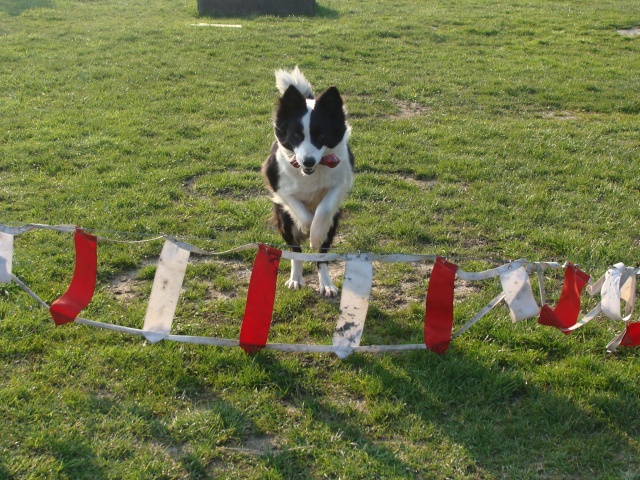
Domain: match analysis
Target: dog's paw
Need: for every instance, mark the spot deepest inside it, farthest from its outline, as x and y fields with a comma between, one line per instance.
x=328, y=290
x=294, y=283
x=319, y=228
x=305, y=227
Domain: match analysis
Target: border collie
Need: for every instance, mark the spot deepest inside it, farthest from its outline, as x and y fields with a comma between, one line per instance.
x=309, y=170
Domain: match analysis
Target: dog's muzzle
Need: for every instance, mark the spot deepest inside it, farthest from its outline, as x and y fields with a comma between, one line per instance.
x=330, y=161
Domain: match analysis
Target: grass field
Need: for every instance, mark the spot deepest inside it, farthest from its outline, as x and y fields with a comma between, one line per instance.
x=482, y=130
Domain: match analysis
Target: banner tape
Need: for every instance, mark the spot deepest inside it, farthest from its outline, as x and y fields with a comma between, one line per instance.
x=354, y=303
x=567, y=310
x=165, y=291
x=83, y=283
x=518, y=292
x=256, y=322
x=438, y=317
x=6, y=257
x=618, y=284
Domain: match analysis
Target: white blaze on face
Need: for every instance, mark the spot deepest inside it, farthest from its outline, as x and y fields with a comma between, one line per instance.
x=307, y=149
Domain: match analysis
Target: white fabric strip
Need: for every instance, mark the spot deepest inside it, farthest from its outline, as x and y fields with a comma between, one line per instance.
x=165, y=291
x=628, y=293
x=6, y=257
x=518, y=293
x=613, y=345
x=490, y=306
x=216, y=342
x=543, y=292
x=110, y=326
x=36, y=226
x=594, y=288
x=611, y=292
x=131, y=242
x=587, y=318
x=199, y=251
x=619, y=284
x=21, y=284
x=354, y=303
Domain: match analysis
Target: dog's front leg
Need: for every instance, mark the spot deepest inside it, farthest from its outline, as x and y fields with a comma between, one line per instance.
x=299, y=213
x=296, y=280
x=323, y=217
x=323, y=229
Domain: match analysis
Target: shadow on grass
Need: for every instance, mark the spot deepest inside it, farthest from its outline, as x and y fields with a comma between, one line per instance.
x=76, y=457
x=16, y=7
x=4, y=472
x=501, y=424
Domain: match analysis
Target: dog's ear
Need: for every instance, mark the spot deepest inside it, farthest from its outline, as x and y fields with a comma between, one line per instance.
x=330, y=100
x=292, y=103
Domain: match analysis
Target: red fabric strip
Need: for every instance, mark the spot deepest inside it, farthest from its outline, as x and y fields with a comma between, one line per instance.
x=567, y=311
x=260, y=298
x=83, y=284
x=632, y=335
x=438, y=317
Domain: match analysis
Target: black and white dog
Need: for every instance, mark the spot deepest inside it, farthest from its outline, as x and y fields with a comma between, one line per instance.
x=309, y=169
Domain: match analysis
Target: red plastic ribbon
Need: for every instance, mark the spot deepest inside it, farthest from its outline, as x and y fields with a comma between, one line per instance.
x=632, y=335
x=260, y=299
x=83, y=283
x=566, y=313
x=438, y=317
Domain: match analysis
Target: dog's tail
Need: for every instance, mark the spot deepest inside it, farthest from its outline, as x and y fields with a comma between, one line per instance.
x=285, y=78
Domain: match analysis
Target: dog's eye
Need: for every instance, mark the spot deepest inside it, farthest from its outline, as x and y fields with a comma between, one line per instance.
x=297, y=136
x=321, y=137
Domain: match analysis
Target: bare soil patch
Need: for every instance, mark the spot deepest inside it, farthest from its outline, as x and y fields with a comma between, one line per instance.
x=564, y=115
x=410, y=109
x=629, y=32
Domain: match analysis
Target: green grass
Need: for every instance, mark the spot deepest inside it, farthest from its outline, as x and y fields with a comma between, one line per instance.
x=482, y=131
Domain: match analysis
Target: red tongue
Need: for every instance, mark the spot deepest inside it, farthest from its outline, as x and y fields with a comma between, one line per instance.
x=330, y=161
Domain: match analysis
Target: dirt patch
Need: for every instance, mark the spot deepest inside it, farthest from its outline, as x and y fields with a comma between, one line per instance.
x=410, y=109
x=424, y=184
x=190, y=186
x=564, y=115
x=463, y=290
x=126, y=285
x=257, y=446
x=629, y=32
x=409, y=289
x=238, y=270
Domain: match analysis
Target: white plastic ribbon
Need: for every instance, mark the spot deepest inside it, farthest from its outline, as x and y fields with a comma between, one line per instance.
x=490, y=306
x=619, y=284
x=6, y=257
x=165, y=291
x=354, y=303
x=518, y=292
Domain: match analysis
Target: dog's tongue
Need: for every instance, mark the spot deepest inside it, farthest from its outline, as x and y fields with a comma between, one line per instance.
x=330, y=161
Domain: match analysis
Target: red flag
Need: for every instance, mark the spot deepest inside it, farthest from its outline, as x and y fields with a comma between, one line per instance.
x=438, y=317
x=260, y=299
x=632, y=335
x=83, y=283
x=566, y=312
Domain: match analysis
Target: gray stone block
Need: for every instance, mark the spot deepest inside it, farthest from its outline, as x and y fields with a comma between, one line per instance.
x=239, y=8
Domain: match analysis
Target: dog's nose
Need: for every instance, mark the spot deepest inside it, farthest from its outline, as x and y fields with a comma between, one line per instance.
x=308, y=162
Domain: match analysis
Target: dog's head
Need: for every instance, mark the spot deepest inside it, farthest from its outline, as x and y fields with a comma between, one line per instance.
x=310, y=127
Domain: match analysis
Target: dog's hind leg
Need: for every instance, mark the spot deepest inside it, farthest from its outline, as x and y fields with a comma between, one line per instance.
x=292, y=237
x=327, y=288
